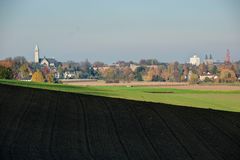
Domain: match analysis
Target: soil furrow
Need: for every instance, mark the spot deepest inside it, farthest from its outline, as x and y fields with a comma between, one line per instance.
x=196, y=144
x=18, y=126
x=132, y=108
x=86, y=129
x=127, y=123
x=116, y=131
x=234, y=139
x=51, y=140
x=215, y=140
x=82, y=126
x=174, y=134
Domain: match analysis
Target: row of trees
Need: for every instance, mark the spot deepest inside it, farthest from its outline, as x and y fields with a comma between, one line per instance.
x=174, y=72
x=19, y=68
x=147, y=70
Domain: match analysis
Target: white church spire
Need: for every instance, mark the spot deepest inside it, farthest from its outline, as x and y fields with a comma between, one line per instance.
x=36, y=54
x=36, y=48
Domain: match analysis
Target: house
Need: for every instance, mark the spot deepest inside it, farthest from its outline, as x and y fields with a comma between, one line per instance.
x=50, y=62
x=69, y=75
x=133, y=67
x=208, y=75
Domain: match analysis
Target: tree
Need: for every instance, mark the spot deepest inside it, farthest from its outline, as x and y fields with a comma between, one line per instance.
x=112, y=74
x=139, y=71
x=185, y=72
x=19, y=60
x=8, y=63
x=173, y=72
x=24, y=71
x=214, y=69
x=60, y=71
x=127, y=74
x=148, y=62
x=193, y=79
x=202, y=68
x=38, y=76
x=98, y=64
x=45, y=70
x=227, y=75
x=85, y=66
x=154, y=74
x=138, y=77
x=50, y=78
x=5, y=73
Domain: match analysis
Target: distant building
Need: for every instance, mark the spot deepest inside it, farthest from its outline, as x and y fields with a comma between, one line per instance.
x=101, y=69
x=195, y=60
x=133, y=67
x=208, y=60
x=209, y=76
x=50, y=62
x=36, y=54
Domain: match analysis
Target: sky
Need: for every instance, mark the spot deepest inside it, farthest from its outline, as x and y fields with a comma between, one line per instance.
x=112, y=30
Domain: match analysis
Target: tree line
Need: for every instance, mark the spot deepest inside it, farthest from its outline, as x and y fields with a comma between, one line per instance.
x=145, y=70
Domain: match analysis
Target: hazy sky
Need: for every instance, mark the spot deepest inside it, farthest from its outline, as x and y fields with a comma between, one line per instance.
x=110, y=30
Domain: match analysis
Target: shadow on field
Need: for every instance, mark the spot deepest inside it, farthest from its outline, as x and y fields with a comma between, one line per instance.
x=159, y=92
x=43, y=124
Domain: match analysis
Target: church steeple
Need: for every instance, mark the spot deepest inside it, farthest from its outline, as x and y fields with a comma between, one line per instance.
x=36, y=54
x=36, y=48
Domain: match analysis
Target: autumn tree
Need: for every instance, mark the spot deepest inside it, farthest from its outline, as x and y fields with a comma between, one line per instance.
x=193, y=78
x=24, y=71
x=38, y=76
x=153, y=74
x=227, y=75
x=50, y=77
x=128, y=74
x=111, y=74
x=202, y=68
x=173, y=72
x=185, y=72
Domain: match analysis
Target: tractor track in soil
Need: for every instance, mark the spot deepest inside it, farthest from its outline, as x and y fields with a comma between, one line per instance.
x=43, y=124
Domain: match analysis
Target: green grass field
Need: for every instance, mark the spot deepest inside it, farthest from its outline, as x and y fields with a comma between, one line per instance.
x=219, y=100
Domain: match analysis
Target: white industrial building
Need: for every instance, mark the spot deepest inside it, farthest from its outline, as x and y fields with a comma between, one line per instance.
x=195, y=60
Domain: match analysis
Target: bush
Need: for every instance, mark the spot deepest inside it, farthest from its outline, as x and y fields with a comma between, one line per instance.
x=208, y=80
x=193, y=78
x=50, y=78
x=5, y=73
x=38, y=77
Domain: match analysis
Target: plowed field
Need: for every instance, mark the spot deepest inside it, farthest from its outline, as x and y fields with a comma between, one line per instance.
x=41, y=124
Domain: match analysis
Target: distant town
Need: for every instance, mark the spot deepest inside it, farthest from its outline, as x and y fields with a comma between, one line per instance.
x=44, y=69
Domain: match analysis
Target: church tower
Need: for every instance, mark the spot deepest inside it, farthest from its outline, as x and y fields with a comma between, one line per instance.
x=36, y=54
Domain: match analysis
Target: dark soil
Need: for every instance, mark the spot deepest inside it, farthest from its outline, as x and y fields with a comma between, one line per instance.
x=39, y=124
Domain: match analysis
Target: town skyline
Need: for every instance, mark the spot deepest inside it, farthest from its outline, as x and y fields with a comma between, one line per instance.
x=201, y=57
